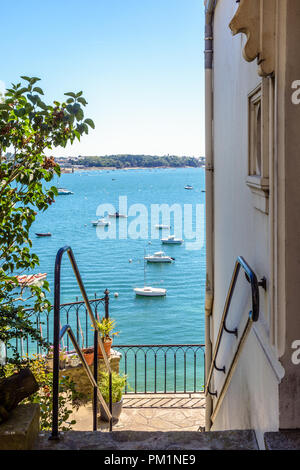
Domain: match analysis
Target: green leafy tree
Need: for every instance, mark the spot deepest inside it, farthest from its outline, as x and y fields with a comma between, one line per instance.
x=29, y=128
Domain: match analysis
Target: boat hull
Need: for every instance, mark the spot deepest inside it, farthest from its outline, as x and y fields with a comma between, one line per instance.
x=101, y=224
x=154, y=292
x=153, y=260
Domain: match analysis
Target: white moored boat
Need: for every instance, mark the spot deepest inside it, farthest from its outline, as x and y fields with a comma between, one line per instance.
x=188, y=187
x=162, y=226
x=150, y=291
x=171, y=240
x=117, y=215
x=63, y=191
x=159, y=257
x=101, y=222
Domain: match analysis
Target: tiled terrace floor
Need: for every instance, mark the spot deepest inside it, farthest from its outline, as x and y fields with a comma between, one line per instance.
x=159, y=412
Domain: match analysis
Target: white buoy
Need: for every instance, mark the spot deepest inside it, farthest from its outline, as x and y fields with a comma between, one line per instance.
x=116, y=294
x=130, y=261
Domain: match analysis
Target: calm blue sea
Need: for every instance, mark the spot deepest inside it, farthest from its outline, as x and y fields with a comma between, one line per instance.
x=176, y=318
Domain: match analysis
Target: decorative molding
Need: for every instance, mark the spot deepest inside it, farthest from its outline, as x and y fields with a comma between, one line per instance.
x=256, y=19
x=260, y=190
x=246, y=20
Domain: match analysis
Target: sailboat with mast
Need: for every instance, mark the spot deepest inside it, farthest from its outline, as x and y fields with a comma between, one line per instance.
x=148, y=291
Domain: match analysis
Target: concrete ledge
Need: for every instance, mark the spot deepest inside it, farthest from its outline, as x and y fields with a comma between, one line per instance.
x=283, y=440
x=21, y=429
x=142, y=440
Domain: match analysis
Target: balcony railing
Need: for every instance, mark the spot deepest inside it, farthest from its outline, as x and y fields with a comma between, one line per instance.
x=151, y=368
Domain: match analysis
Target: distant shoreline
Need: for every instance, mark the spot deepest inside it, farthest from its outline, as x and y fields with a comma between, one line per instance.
x=111, y=168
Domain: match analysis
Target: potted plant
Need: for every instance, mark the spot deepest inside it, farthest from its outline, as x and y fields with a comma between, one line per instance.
x=118, y=385
x=106, y=327
x=62, y=357
x=88, y=354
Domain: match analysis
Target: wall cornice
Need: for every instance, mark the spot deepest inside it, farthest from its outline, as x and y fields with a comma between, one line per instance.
x=256, y=19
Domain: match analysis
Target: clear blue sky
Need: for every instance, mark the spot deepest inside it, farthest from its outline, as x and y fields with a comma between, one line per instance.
x=138, y=62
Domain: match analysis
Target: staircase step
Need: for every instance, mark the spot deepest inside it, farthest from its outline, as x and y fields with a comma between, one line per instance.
x=145, y=440
x=21, y=429
x=283, y=440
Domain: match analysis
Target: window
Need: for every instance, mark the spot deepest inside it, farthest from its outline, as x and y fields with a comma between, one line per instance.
x=259, y=129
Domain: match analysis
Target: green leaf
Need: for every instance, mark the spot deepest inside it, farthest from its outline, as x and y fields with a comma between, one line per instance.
x=82, y=101
x=90, y=123
x=38, y=90
x=20, y=112
x=26, y=78
x=70, y=93
x=79, y=115
x=22, y=90
x=77, y=134
x=33, y=80
x=32, y=98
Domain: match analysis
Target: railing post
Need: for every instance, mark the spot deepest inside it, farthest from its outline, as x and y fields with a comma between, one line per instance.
x=110, y=401
x=56, y=328
x=106, y=302
x=95, y=397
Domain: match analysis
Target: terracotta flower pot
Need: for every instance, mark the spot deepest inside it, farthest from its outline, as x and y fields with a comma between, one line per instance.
x=107, y=342
x=88, y=355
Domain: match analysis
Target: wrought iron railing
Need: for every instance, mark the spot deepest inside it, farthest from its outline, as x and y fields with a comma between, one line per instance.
x=163, y=368
x=58, y=333
x=72, y=313
x=151, y=368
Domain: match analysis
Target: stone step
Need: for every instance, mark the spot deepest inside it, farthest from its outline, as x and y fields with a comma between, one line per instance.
x=21, y=429
x=283, y=440
x=145, y=440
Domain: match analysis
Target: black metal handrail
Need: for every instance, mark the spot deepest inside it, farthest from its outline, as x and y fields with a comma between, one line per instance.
x=57, y=338
x=253, y=317
x=108, y=410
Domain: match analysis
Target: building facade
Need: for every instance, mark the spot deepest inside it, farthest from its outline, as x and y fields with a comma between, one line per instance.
x=253, y=210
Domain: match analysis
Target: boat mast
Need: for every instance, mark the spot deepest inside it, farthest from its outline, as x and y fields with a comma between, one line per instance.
x=144, y=268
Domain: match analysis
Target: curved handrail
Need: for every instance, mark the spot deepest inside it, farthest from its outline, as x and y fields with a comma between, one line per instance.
x=253, y=314
x=67, y=329
x=56, y=337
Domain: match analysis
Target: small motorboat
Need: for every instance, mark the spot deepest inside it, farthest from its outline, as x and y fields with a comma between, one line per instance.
x=46, y=234
x=63, y=191
x=159, y=257
x=117, y=215
x=150, y=291
x=160, y=226
x=171, y=240
x=100, y=222
x=29, y=280
x=188, y=187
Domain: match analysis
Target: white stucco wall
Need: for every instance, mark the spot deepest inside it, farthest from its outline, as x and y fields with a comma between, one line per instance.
x=240, y=229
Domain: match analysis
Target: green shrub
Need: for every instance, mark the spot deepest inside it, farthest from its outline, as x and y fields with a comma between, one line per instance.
x=118, y=386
